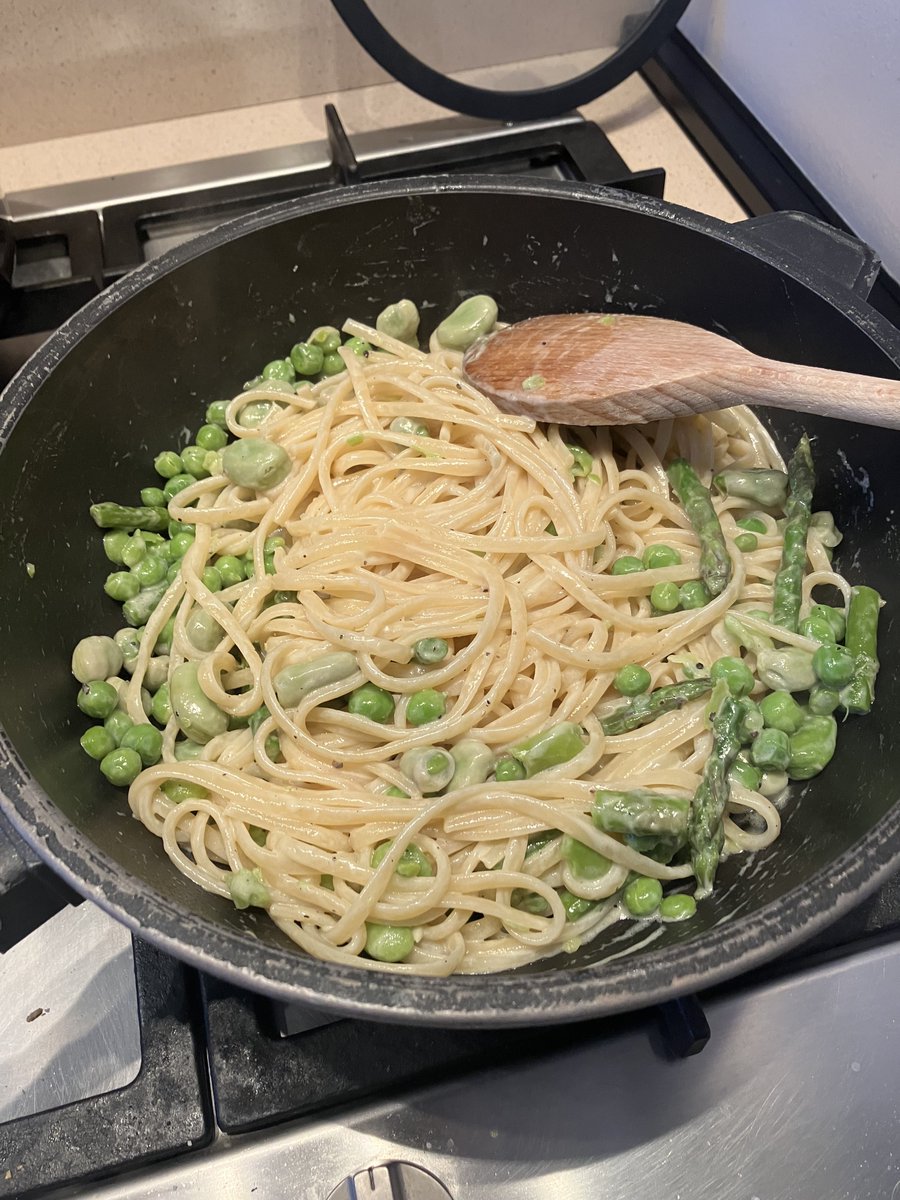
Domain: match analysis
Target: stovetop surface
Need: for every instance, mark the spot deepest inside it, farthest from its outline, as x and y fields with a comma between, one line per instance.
x=115, y=1060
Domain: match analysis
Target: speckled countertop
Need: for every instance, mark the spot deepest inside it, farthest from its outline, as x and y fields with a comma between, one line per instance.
x=642, y=131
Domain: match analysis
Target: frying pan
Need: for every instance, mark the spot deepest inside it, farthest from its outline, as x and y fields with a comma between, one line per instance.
x=134, y=370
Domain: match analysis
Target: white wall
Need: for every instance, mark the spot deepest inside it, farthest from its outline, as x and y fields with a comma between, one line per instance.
x=823, y=77
x=78, y=66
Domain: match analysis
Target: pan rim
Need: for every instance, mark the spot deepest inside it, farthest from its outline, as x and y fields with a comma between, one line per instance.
x=566, y=994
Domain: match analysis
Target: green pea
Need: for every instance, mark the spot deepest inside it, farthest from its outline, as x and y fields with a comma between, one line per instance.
x=357, y=346
x=508, y=769
x=146, y=740
x=413, y=862
x=121, y=766
x=151, y=569
x=114, y=542
x=781, y=711
x=121, y=586
x=216, y=413
x=253, y=415
x=176, y=527
x=823, y=700
x=665, y=597
x=307, y=359
x=679, y=907
x=96, y=742
x=269, y=563
x=694, y=594
x=96, y=657
x=430, y=650
x=626, y=565
x=642, y=896
x=194, y=459
x=212, y=580
x=427, y=705
x=280, y=368
x=400, y=321
x=200, y=719
x=259, y=835
x=117, y=725
x=388, y=943
x=230, y=570
x=834, y=617
x=177, y=484
x=168, y=464
x=735, y=672
x=752, y=525
x=173, y=571
x=255, y=463
x=632, y=679
x=326, y=337
x=661, y=556
x=746, y=542
x=153, y=496
x=161, y=706
x=212, y=437
x=818, y=629
x=372, y=702
x=272, y=747
x=181, y=543
x=834, y=665
x=157, y=672
x=469, y=321
x=275, y=542
x=97, y=699
x=396, y=792
x=771, y=750
x=745, y=773
x=333, y=364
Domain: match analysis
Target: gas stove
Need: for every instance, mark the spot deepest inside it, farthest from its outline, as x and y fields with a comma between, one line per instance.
x=124, y=1073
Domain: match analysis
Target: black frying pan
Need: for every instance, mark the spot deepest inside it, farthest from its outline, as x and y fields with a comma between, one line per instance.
x=139, y=363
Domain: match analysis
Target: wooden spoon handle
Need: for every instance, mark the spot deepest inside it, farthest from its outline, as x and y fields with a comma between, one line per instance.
x=825, y=393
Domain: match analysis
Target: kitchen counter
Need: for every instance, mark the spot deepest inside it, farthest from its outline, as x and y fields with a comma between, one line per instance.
x=642, y=131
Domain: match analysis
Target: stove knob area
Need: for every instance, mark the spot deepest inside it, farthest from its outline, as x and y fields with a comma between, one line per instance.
x=391, y=1181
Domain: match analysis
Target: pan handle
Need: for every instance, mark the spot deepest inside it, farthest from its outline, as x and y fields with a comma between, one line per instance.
x=804, y=240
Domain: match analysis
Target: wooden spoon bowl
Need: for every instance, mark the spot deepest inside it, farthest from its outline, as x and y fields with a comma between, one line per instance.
x=619, y=369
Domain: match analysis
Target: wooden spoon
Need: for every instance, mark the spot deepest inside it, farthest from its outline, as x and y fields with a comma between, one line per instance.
x=605, y=369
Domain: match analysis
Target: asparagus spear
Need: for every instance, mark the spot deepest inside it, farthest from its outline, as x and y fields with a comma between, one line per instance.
x=862, y=642
x=119, y=516
x=766, y=488
x=789, y=580
x=644, y=709
x=641, y=813
x=705, y=832
x=715, y=564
